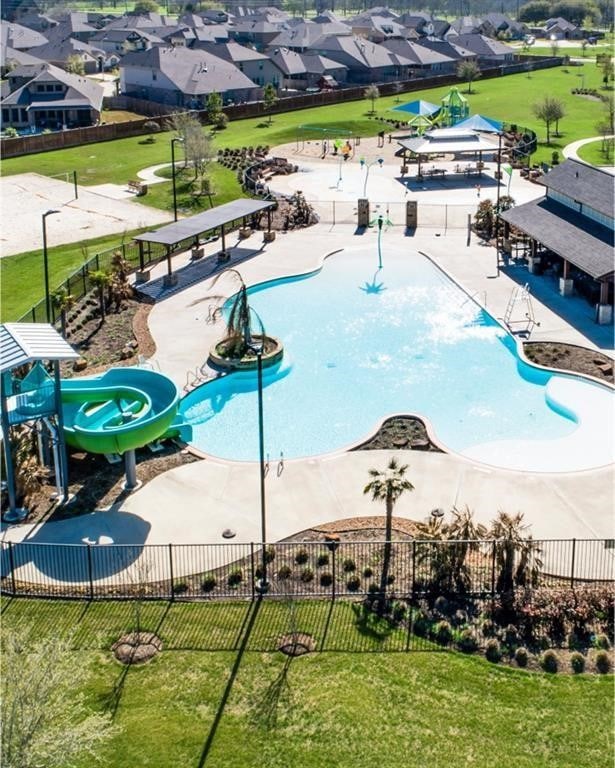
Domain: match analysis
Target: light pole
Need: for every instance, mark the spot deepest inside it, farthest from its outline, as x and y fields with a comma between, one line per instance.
x=46, y=265
x=367, y=166
x=176, y=139
x=258, y=351
x=497, y=205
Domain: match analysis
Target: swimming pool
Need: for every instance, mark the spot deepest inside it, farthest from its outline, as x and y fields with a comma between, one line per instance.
x=362, y=344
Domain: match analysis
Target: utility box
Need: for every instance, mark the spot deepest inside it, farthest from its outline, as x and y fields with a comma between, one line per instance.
x=363, y=212
x=412, y=214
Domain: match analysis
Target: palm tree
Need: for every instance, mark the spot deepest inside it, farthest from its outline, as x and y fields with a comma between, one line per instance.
x=63, y=301
x=516, y=556
x=119, y=286
x=101, y=280
x=387, y=486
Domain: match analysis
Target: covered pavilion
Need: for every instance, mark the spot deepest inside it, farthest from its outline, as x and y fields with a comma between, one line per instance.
x=449, y=141
x=187, y=232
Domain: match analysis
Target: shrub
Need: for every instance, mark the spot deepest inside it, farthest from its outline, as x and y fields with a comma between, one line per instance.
x=307, y=575
x=521, y=657
x=322, y=559
x=302, y=556
x=326, y=579
x=349, y=565
x=353, y=584
x=390, y=579
x=548, y=661
x=398, y=611
x=577, y=662
x=459, y=618
x=284, y=572
x=601, y=642
x=492, y=651
x=373, y=588
x=511, y=636
x=441, y=605
x=269, y=554
x=10, y=132
x=151, y=126
x=367, y=572
x=488, y=628
x=420, y=623
x=466, y=642
x=209, y=583
x=179, y=587
x=235, y=577
x=602, y=662
x=443, y=633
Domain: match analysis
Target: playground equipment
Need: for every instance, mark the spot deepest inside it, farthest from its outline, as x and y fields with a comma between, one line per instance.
x=455, y=108
x=328, y=136
x=113, y=413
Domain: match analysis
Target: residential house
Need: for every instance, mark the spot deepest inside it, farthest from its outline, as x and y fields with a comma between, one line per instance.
x=10, y=59
x=490, y=52
x=260, y=68
x=501, y=26
x=123, y=41
x=367, y=62
x=19, y=37
x=302, y=70
x=44, y=96
x=258, y=33
x=449, y=48
x=377, y=28
x=184, y=78
x=424, y=61
x=560, y=29
x=60, y=49
x=303, y=37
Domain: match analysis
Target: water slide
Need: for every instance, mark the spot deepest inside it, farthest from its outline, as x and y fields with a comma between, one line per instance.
x=120, y=410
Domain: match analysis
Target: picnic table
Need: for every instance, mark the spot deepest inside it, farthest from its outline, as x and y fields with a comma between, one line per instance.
x=433, y=172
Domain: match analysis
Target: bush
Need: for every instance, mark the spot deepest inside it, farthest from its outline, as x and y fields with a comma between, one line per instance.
x=459, y=618
x=235, y=577
x=209, y=583
x=322, y=559
x=307, y=575
x=220, y=121
x=367, y=572
x=577, y=662
x=548, y=661
x=493, y=652
x=284, y=572
x=349, y=565
x=420, y=623
x=179, y=587
x=10, y=132
x=151, y=126
x=326, y=579
x=373, y=588
x=521, y=657
x=441, y=605
x=399, y=611
x=302, y=556
x=602, y=662
x=443, y=633
x=269, y=554
x=601, y=642
x=466, y=642
x=353, y=584
x=511, y=636
x=488, y=628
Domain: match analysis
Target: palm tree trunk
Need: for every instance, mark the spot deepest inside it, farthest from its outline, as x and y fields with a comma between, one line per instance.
x=101, y=297
x=386, y=560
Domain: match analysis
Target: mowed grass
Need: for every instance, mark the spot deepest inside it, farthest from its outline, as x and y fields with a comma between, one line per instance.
x=592, y=153
x=219, y=695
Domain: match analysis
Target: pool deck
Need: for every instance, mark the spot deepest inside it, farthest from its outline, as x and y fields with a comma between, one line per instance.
x=196, y=502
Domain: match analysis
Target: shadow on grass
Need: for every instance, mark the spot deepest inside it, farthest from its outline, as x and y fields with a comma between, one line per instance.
x=254, y=609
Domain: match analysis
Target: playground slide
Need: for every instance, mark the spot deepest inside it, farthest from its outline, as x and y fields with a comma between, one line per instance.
x=123, y=409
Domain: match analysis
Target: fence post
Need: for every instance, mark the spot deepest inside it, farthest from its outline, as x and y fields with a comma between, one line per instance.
x=333, y=583
x=493, y=570
x=574, y=549
x=83, y=274
x=12, y=567
x=90, y=570
x=413, y=567
x=172, y=577
x=252, y=570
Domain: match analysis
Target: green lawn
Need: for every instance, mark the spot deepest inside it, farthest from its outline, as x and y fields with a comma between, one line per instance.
x=509, y=99
x=592, y=153
x=219, y=695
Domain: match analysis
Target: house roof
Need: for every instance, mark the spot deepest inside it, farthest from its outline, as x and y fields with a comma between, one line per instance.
x=193, y=72
x=233, y=52
x=22, y=343
x=483, y=46
x=19, y=37
x=358, y=53
x=448, y=48
x=581, y=241
x=416, y=53
x=19, y=57
x=306, y=34
x=61, y=49
x=584, y=184
x=78, y=89
x=448, y=140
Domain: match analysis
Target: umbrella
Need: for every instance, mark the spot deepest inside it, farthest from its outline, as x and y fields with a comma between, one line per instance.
x=480, y=123
x=418, y=107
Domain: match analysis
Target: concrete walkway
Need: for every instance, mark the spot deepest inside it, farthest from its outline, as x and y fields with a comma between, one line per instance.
x=571, y=151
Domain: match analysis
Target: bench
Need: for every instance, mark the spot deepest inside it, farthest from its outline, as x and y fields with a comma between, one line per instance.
x=138, y=187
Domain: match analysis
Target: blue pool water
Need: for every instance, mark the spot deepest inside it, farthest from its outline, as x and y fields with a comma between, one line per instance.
x=362, y=344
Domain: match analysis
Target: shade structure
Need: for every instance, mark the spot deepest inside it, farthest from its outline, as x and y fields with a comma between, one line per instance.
x=420, y=122
x=480, y=123
x=418, y=107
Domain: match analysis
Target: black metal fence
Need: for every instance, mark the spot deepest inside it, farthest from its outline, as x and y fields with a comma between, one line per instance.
x=417, y=569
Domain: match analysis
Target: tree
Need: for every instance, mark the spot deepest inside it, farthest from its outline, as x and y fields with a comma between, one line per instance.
x=101, y=280
x=74, y=64
x=63, y=301
x=549, y=110
x=606, y=128
x=143, y=7
x=239, y=325
x=45, y=718
x=371, y=93
x=197, y=145
x=537, y=10
x=387, y=486
x=270, y=98
x=214, y=106
x=573, y=11
x=119, y=287
x=468, y=71
x=608, y=70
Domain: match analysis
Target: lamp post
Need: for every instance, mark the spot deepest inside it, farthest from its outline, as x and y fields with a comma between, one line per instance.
x=176, y=139
x=497, y=207
x=367, y=166
x=46, y=264
x=258, y=351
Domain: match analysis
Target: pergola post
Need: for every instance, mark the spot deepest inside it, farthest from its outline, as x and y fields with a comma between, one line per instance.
x=169, y=279
x=223, y=236
x=62, y=469
x=566, y=284
x=604, y=310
